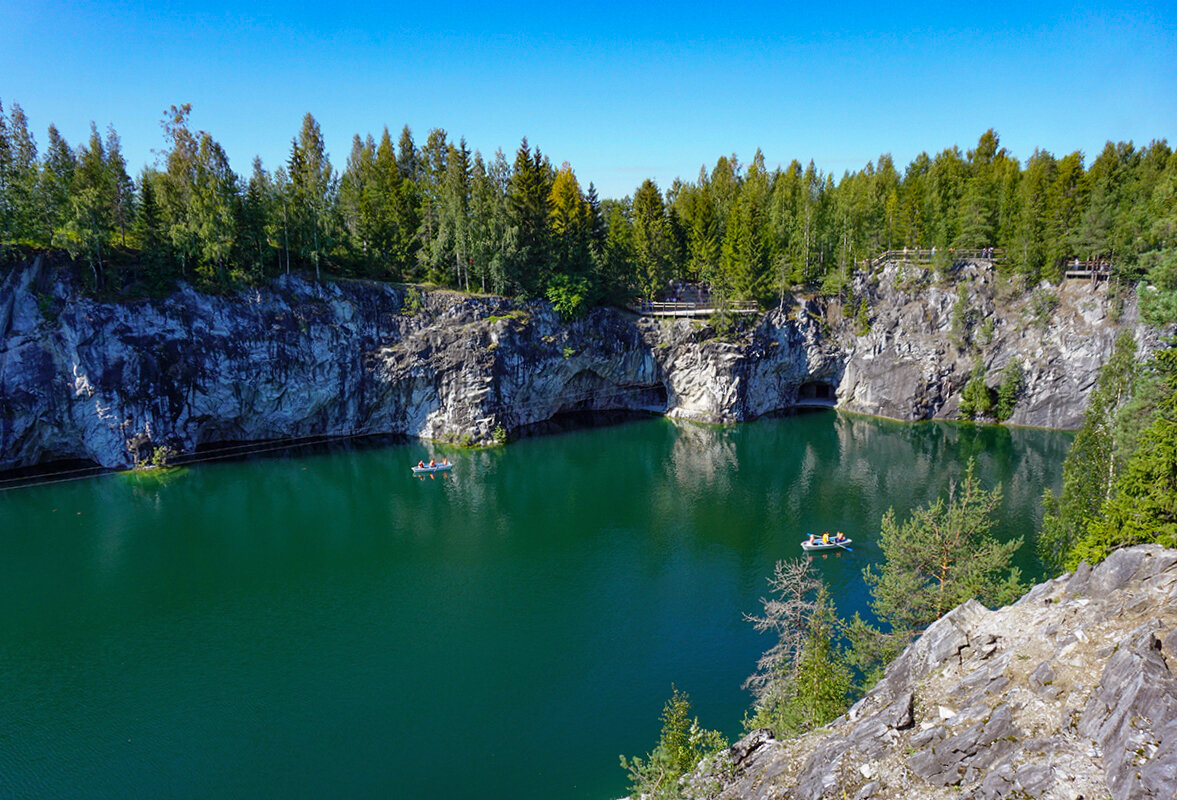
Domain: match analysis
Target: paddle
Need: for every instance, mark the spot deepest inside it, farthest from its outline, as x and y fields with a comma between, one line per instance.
x=844, y=546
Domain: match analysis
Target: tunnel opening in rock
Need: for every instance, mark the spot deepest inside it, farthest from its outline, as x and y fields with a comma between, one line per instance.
x=591, y=401
x=817, y=393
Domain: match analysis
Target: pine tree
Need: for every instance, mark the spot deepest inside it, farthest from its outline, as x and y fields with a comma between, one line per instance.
x=570, y=222
x=1091, y=465
x=56, y=187
x=527, y=195
x=313, y=196
x=941, y=556
x=803, y=681
x=87, y=224
x=652, y=241
x=1142, y=507
x=257, y=221
x=147, y=231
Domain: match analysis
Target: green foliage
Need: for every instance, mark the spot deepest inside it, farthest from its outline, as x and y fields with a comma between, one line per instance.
x=1158, y=298
x=962, y=318
x=985, y=336
x=681, y=746
x=1142, y=506
x=1043, y=303
x=941, y=556
x=1009, y=390
x=975, y=399
x=862, y=318
x=805, y=679
x=499, y=434
x=569, y=295
x=445, y=214
x=160, y=456
x=1092, y=465
x=412, y=304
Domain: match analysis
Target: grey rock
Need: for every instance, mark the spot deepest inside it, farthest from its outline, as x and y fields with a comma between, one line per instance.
x=109, y=382
x=743, y=750
x=1111, y=729
x=1043, y=675
x=867, y=791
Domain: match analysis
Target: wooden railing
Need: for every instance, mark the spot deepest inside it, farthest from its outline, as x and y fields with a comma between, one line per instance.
x=922, y=256
x=1094, y=268
x=656, y=308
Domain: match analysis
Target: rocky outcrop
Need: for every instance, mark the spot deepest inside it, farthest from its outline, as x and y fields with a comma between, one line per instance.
x=916, y=358
x=111, y=381
x=1068, y=693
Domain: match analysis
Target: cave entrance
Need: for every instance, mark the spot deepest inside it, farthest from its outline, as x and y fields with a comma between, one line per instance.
x=816, y=393
x=590, y=401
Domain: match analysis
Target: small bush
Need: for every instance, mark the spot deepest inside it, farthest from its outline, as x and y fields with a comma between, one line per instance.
x=975, y=400
x=682, y=745
x=568, y=295
x=412, y=303
x=1009, y=390
x=862, y=319
x=1043, y=304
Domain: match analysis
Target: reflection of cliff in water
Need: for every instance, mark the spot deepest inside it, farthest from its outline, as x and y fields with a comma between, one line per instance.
x=579, y=419
x=703, y=458
x=906, y=465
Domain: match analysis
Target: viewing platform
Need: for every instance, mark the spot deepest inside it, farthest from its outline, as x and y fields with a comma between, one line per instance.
x=921, y=256
x=1094, y=269
x=689, y=309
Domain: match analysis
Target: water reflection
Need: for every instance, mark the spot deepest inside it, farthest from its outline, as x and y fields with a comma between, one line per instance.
x=546, y=594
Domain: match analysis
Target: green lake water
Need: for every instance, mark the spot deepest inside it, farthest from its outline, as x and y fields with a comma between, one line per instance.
x=326, y=625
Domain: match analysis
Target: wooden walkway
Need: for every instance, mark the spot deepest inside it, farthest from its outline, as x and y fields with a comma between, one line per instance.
x=686, y=309
x=921, y=256
x=1095, y=269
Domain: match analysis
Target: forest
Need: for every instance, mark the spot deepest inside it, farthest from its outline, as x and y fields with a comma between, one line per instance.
x=443, y=214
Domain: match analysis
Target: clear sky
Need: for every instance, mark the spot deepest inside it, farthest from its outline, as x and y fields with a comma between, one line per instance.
x=622, y=91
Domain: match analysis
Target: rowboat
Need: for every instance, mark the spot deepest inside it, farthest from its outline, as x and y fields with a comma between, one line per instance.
x=818, y=544
x=444, y=466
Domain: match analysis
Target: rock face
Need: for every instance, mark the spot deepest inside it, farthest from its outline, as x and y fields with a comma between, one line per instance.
x=111, y=381
x=913, y=364
x=1068, y=693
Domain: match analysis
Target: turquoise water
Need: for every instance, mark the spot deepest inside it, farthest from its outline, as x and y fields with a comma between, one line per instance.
x=328, y=625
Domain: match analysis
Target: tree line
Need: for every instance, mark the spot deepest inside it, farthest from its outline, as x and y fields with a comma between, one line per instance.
x=442, y=213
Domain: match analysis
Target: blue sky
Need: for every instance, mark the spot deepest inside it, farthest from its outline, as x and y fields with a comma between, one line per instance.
x=621, y=91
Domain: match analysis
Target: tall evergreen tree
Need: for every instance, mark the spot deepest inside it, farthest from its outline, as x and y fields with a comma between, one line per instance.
x=652, y=241
x=527, y=193
x=570, y=222
x=56, y=187
x=313, y=196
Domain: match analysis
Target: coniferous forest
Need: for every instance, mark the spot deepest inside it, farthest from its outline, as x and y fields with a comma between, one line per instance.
x=439, y=212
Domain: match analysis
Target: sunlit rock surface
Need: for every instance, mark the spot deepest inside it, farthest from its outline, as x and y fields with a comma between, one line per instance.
x=111, y=381
x=1069, y=692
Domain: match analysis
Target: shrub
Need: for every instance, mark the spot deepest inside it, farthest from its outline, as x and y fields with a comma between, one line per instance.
x=976, y=400
x=1009, y=390
x=568, y=295
x=1043, y=304
x=681, y=746
x=412, y=302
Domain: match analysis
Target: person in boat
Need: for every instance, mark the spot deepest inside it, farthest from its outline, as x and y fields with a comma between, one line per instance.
x=839, y=537
x=420, y=465
x=825, y=538
x=432, y=463
x=812, y=539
